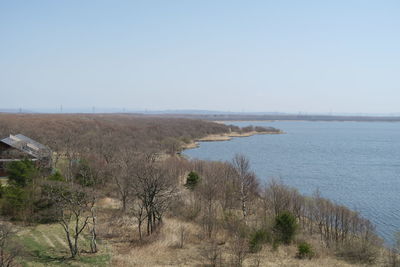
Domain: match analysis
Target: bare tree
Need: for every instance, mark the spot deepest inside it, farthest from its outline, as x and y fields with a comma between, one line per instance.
x=239, y=249
x=153, y=188
x=139, y=212
x=93, y=230
x=209, y=190
x=393, y=253
x=247, y=182
x=182, y=235
x=89, y=174
x=75, y=207
x=279, y=196
x=212, y=253
x=8, y=250
x=71, y=154
x=124, y=174
x=171, y=145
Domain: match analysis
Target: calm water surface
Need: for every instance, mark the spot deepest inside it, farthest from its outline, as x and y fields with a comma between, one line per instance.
x=352, y=163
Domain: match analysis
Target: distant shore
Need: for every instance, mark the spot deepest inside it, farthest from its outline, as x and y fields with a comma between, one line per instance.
x=283, y=117
x=230, y=121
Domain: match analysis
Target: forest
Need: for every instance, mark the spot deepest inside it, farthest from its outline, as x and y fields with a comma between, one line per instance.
x=118, y=193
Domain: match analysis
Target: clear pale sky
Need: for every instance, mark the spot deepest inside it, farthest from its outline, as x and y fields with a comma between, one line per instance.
x=286, y=56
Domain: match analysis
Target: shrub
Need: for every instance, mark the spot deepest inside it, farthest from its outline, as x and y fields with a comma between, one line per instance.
x=359, y=251
x=239, y=248
x=56, y=176
x=285, y=227
x=14, y=201
x=20, y=173
x=304, y=250
x=192, y=180
x=85, y=175
x=257, y=239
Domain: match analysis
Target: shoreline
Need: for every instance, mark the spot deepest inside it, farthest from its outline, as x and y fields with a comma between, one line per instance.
x=223, y=137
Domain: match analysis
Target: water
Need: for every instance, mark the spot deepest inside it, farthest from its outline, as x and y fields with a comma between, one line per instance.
x=352, y=163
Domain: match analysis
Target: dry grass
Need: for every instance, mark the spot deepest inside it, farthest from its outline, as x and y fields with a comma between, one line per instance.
x=164, y=247
x=118, y=234
x=163, y=250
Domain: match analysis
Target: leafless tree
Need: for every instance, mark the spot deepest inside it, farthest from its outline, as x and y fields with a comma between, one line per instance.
x=212, y=253
x=153, y=188
x=91, y=175
x=8, y=249
x=139, y=212
x=75, y=207
x=393, y=253
x=247, y=182
x=182, y=235
x=171, y=145
x=239, y=249
x=209, y=190
x=124, y=170
x=228, y=187
x=278, y=196
x=93, y=230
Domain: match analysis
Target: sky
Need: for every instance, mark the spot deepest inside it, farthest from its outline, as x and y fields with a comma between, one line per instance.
x=339, y=56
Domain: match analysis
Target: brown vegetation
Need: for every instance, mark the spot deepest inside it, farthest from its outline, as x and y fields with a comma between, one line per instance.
x=61, y=131
x=114, y=187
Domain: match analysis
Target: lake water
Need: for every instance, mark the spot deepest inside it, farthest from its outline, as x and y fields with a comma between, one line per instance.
x=352, y=163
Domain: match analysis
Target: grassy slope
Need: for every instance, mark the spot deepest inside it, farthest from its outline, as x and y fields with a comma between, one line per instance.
x=164, y=251
x=45, y=245
x=118, y=246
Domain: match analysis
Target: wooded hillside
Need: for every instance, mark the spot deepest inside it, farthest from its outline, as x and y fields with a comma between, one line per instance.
x=111, y=200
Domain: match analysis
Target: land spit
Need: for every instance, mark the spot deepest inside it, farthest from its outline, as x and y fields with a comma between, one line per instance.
x=224, y=137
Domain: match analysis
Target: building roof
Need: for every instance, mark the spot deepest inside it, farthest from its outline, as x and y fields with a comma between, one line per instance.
x=27, y=145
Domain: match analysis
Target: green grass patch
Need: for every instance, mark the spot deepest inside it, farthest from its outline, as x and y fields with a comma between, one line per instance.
x=46, y=245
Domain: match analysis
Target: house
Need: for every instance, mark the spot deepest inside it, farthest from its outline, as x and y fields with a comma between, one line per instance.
x=19, y=147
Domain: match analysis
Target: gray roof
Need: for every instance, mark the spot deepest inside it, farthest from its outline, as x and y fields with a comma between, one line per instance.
x=27, y=145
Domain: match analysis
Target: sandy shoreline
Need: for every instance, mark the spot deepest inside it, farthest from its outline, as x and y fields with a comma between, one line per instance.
x=223, y=137
x=229, y=121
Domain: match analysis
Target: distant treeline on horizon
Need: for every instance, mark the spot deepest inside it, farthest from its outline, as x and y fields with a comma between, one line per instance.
x=288, y=117
x=230, y=116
